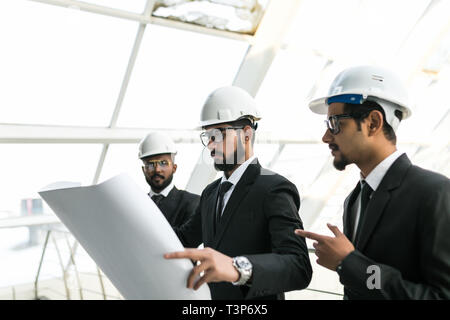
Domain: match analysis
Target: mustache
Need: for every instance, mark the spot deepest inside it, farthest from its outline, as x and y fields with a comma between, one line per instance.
x=156, y=175
x=333, y=146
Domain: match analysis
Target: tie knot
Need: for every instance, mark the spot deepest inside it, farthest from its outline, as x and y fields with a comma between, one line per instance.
x=157, y=198
x=366, y=189
x=224, y=187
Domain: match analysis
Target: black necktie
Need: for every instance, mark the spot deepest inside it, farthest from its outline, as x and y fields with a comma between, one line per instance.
x=366, y=191
x=157, y=198
x=223, y=188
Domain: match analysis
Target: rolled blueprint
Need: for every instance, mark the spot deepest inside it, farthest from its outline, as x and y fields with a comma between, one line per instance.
x=126, y=234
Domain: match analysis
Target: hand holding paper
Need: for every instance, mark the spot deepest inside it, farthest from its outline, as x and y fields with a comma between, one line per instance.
x=215, y=266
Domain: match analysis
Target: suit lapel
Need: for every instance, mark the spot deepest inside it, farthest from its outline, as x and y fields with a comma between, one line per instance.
x=240, y=191
x=168, y=204
x=376, y=206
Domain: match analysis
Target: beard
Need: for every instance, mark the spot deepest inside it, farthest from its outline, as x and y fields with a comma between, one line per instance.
x=339, y=163
x=158, y=187
x=235, y=160
x=224, y=166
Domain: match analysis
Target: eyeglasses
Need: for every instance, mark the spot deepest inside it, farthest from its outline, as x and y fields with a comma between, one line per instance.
x=215, y=135
x=150, y=165
x=333, y=123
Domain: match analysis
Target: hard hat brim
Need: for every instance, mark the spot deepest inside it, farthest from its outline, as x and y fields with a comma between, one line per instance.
x=208, y=123
x=319, y=106
x=214, y=122
x=156, y=153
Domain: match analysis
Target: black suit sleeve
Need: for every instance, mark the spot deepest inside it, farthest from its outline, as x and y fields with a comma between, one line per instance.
x=434, y=261
x=287, y=267
x=190, y=233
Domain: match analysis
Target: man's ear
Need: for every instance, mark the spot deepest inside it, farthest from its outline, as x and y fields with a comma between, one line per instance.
x=248, y=133
x=174, y=168
x=375, y=123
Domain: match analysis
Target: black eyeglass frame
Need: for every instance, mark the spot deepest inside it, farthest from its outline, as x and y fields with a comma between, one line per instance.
x=335, y=129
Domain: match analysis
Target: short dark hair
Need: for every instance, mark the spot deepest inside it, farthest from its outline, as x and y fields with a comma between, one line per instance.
x=245, y=122
x=360, y=111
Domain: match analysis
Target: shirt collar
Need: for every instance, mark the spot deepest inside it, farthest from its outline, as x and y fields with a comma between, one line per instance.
x=165, y=191
x=377, y=174
x=237, y=174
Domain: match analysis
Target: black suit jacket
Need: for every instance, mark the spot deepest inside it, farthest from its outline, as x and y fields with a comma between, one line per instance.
x=406, y=233
x=178, y=206
x=258, y=222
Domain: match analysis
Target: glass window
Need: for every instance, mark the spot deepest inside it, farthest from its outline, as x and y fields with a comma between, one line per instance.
x=266, y=153
x=301, y=163
x=174, y=73
x=26, y=168
x=352, y=29
x=61, y=66
x=282, y=97
x=429, y=108
x=241, y=16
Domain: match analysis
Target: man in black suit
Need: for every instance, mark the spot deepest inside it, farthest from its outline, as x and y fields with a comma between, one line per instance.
x=157, y=152
x=396, y=242
x=247, y=218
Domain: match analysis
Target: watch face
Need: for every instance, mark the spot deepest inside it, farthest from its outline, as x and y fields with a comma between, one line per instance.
x=243, y=263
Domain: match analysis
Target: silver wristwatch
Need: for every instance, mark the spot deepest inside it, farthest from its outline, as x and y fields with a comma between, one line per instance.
x=244, y=267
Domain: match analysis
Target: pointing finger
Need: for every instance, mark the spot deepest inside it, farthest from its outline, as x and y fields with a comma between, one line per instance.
x=193, y=254
x=309, y=235
x=334, y=229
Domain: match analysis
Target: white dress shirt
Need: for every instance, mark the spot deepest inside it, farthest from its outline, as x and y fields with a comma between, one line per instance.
x=373, y=180
x=234, y=179
x=164, y=192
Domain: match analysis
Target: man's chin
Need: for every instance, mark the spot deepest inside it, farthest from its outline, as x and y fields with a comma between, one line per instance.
x=340, y=164
x=224, y=167
x=158, y=186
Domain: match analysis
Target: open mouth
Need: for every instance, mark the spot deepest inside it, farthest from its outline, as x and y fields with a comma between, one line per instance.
x=334, y=148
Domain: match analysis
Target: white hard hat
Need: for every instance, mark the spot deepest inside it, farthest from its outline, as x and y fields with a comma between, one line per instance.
x=156, y=143
x=358, y=84
x=228, y=104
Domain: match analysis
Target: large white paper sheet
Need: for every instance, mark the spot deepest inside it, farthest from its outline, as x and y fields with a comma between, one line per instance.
x=126, y=234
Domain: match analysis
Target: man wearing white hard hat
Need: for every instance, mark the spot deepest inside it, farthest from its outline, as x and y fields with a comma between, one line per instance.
x=157, y=152
x=246, y=219
x=395, y=243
